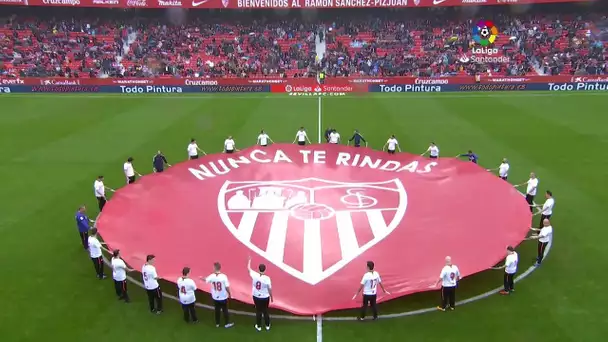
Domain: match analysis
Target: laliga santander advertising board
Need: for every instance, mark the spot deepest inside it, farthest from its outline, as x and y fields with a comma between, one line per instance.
x=314, y=215
x=260, y=4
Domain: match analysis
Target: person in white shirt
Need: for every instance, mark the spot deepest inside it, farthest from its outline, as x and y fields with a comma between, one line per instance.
x=433, y=151
x=119, y=274
x=263, y=139
x=100, y=192
x=334, y=137
x=187, y=288
x=130, y=171
x=193, y=150
x=546, y=210
x=220, y=292
x=503, y=169
x=369, y=285
x=301, y=137
x=510, y=267
x=150, y=277
x=229, y=145
x=95, y=252
x=449, y=278
x=531, y=187
x=544, y=237
x=391, y=145
x=262, y=295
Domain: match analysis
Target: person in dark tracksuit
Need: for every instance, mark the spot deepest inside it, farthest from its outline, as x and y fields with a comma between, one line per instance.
x=159, y=161
x=82, y=221
x=357, y=138
x=327, y=133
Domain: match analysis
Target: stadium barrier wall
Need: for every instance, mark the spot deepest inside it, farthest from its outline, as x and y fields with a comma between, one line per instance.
x=302, y=86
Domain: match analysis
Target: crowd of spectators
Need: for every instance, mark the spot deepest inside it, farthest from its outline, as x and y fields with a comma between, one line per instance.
x=418, y=42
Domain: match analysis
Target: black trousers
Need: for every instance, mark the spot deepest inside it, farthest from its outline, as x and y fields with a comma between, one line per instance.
x=504, y=178
x=391, y=151
x=530, y=200
x=98, y=263
x=542, y=218
x=131, y=180
x=509, y=281
x=448, y=296
x=261, y=310
x=84, y=238
x=101, y=201
x=301, y=143
x=190, y=312
x=155, y=297
x=369, y=300
x=541, y=251
x=121, y=290
x=221, y=306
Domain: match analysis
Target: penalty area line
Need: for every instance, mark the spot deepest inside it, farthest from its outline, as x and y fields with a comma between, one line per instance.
x=319, y=318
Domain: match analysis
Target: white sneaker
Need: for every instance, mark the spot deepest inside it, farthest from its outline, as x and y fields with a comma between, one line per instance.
x=267, y=327
x=258, y=328
x=217, y=325
x=229, y=325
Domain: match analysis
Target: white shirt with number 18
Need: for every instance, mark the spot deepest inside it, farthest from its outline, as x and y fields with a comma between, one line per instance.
x=219, y=284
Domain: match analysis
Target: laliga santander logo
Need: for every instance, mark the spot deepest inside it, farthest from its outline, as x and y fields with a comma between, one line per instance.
x=315, y=203
x=485, y=33
x=298, y=89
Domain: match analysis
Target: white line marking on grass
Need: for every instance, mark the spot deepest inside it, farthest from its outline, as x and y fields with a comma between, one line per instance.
x=433, y=96
x=319, y=122
x=319, y=328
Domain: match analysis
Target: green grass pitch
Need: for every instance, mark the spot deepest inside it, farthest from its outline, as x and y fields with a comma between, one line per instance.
x=54, y=146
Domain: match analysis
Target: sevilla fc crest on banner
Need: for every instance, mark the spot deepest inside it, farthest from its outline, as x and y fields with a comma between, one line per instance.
x=308, y=227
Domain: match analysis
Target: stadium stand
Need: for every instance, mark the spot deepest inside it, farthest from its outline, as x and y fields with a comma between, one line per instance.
x=420, y=42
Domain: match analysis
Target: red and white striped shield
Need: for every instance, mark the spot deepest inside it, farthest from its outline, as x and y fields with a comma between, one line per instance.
x=311, y=227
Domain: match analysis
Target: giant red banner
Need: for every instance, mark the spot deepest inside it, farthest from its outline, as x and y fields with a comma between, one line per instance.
x=349, y=84
x=258, y=4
